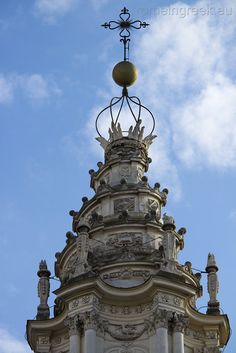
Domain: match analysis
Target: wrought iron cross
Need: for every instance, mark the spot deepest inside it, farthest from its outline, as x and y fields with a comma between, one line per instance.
x=125, y=24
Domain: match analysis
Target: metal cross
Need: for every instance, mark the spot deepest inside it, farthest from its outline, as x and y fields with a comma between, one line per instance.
x=125, y=24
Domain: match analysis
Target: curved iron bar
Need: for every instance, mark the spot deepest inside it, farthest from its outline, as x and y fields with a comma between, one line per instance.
x=142, y=106
x=112, y=104
x=115, y=100
x=121, y=106
x=110, y=25
x=126, y=35
x=139, y=106
x=130, y=108
x=102, y=111
x=140, y=24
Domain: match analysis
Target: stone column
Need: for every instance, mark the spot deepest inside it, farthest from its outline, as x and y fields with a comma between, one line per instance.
x=161, y=323
x=180, y=323
x=90, y=335
x=74, y=333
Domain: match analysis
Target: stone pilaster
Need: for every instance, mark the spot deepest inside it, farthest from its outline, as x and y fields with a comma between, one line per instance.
x=179, y=324
x=161, y=324
x=89, y=319
x=72, y=323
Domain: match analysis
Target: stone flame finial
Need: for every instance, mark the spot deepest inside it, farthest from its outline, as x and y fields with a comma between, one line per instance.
x=43, y=312
x=213, y=285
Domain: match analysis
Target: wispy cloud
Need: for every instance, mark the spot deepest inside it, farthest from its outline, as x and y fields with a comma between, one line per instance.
x=10, y=344
x=6, y=90
x=34, y=87
x=186, y=65
x=50, y=10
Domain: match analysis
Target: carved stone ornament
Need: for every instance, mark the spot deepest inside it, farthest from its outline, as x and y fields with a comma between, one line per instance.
x=124, y=332
x=126, y=348
x=89, y=319
x=125, y=172
x=43, y=311
x=78, y=262
x=72, y=323
x=125, y=240
x=43, y=340
x=179, y=322
x=126, y=277
x=125, y=204
x=161, y=318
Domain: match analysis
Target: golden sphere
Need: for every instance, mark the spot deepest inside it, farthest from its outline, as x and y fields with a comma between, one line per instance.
x=124, y=74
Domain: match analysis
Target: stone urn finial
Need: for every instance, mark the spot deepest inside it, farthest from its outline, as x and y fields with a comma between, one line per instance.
x=168, y=222
x=212, y=285
x=43, y=311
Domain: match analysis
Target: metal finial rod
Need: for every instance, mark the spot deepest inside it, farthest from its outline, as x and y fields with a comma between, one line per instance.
x=125, y=24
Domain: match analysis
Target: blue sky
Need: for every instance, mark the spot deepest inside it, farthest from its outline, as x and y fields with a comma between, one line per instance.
x=55, y=74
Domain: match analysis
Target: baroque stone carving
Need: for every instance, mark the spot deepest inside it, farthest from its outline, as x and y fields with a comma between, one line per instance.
x=89, y=319
x=72, y=323
x=125, y=172
x=95, y=219
x=125, y=247
x=127, y=273
x=179, y=322
x=43, y=311
x=124, y=332
x=78, y=262
x=124, y=204
x=43, y=340
x=59, y=306
x=161, y=318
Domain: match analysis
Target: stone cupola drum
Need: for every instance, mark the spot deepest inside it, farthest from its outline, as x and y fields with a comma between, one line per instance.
x=121, y=286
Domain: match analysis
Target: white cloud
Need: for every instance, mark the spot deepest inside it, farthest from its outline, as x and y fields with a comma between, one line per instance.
x=51, y=9
x=186, y=65
x=34, y=87
x=10, y=344
x=6, y=90
x=205, y=127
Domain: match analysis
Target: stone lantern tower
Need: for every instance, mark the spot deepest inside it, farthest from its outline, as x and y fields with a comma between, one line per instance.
x=122, y=289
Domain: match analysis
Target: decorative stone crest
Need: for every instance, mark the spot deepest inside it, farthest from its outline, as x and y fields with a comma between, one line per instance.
x=125, y=332
x=125, y=204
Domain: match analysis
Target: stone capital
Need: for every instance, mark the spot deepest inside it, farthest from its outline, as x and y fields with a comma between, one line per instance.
x=89, y=319
x=162, y=318
x=179, y=323
x=72, y=323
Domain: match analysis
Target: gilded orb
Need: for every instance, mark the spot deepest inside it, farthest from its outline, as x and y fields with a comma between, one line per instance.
x=124, y=73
